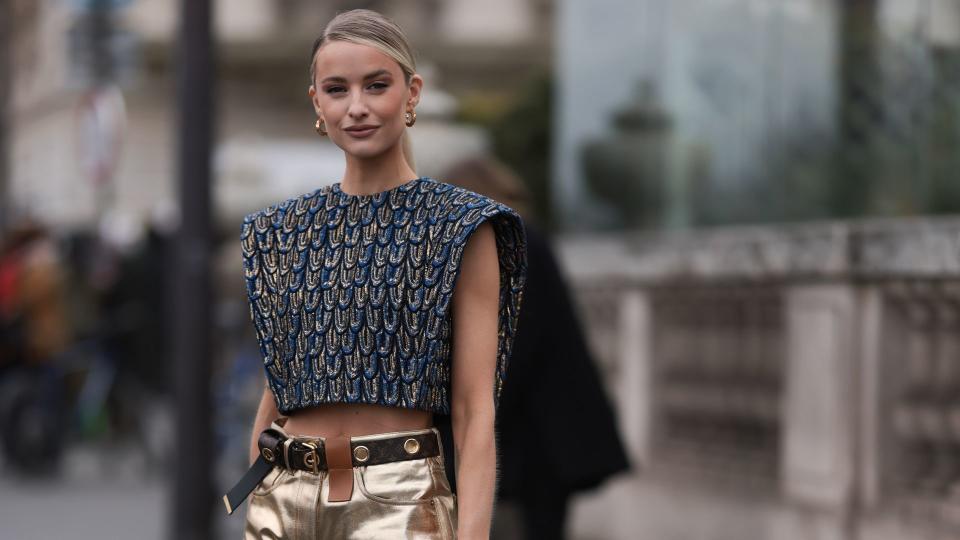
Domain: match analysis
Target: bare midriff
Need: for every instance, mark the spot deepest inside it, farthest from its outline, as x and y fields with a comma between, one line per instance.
x=353, y=419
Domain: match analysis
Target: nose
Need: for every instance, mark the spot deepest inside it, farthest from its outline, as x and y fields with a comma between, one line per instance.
x=357, y=109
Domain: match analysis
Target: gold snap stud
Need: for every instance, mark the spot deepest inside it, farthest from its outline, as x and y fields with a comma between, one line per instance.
x=268, y=454
x=412, y=446
x=361, y=453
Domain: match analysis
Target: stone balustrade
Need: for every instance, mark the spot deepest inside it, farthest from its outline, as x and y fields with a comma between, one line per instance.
x=808, y=375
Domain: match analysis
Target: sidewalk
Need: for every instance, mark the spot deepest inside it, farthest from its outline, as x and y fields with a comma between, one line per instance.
x=100, y=494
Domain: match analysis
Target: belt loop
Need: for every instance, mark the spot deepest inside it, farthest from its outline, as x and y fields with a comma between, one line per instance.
x=339, y=468
x=286, y=452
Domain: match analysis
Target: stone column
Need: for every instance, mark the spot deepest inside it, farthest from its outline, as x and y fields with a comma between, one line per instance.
x=633, y=398
x=869, y=452
x=821, y=400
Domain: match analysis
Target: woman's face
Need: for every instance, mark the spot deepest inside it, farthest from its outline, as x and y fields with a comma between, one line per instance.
x=357, y=86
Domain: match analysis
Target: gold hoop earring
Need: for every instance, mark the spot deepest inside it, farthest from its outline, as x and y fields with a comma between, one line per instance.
x=411, y=117
x=319, y=126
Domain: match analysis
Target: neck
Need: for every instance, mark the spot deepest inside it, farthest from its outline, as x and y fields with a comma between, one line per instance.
x=378, y=173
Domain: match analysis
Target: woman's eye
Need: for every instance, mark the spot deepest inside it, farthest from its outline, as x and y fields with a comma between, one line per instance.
x=335, y=89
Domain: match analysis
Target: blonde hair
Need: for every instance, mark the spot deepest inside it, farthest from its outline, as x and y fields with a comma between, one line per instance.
x=368, y=27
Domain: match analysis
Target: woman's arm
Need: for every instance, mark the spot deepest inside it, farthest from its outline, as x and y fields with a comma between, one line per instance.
x=266, y=413
x=475, y=319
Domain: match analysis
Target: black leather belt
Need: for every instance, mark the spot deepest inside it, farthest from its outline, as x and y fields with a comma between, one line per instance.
x=308, y=454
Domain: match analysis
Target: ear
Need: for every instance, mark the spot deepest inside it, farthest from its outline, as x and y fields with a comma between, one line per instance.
x=315, y=100
x=415, y=88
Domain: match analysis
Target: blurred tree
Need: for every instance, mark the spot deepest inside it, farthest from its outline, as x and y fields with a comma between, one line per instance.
x=895, y=148
x=521, y=137
x=944, y=135
x=794, y=185
x=860, y=114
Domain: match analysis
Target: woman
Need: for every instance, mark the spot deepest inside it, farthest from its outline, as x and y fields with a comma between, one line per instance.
x=356, y=292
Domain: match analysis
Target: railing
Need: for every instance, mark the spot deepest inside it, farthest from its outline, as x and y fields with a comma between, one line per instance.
x=921, y=360
x=718, y=369
x=821, y=361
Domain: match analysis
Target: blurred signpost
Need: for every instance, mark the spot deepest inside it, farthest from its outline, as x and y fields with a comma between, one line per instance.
x=101, y=116
x=102, y=57
x=193, y=496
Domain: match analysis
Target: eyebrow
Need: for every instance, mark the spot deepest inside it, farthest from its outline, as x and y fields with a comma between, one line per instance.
x=370, y=75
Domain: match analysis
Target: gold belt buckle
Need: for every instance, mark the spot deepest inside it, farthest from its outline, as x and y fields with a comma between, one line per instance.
x=312, y=459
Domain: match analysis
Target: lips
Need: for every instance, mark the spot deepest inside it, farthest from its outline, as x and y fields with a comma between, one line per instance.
x=360, y=132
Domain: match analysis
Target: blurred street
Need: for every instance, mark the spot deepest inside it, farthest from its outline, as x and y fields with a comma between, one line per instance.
x=101, y=493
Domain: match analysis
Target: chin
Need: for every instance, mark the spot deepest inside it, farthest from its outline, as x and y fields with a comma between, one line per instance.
x=364, y=149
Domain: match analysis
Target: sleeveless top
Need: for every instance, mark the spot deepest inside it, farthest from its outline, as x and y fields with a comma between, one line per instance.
x=350, y=294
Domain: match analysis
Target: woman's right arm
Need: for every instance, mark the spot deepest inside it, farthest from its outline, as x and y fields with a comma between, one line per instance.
x=266, y=413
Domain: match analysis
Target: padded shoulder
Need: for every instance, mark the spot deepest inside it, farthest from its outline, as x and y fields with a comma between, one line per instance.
x=469, y=209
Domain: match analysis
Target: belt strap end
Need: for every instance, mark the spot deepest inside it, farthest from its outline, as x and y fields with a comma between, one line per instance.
x=257, y=472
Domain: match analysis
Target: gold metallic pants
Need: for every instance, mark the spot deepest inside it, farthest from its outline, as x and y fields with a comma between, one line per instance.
x=403, y=499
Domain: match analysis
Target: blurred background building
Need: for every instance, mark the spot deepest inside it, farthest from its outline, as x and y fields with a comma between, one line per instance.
x=754, y=201
x=475, y=62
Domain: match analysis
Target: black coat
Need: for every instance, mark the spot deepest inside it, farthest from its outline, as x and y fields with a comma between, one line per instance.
x=556, y=429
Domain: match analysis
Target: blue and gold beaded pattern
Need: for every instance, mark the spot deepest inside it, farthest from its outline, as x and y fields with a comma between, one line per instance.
x=350, y=294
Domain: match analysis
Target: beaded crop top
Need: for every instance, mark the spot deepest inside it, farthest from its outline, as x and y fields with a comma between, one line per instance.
x=350, y=294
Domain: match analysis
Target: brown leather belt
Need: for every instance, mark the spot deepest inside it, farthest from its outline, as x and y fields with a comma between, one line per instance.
x=336, y=455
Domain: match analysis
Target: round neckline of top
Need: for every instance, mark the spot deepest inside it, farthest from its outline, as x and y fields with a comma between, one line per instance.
x=335, y=187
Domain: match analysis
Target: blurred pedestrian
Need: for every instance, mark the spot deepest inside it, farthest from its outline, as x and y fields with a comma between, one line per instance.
x=32, y=301
x=556, y=427
x=12, y=318
x=35, y=332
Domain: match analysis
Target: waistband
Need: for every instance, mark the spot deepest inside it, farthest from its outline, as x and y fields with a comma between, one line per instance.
x=336, y=455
